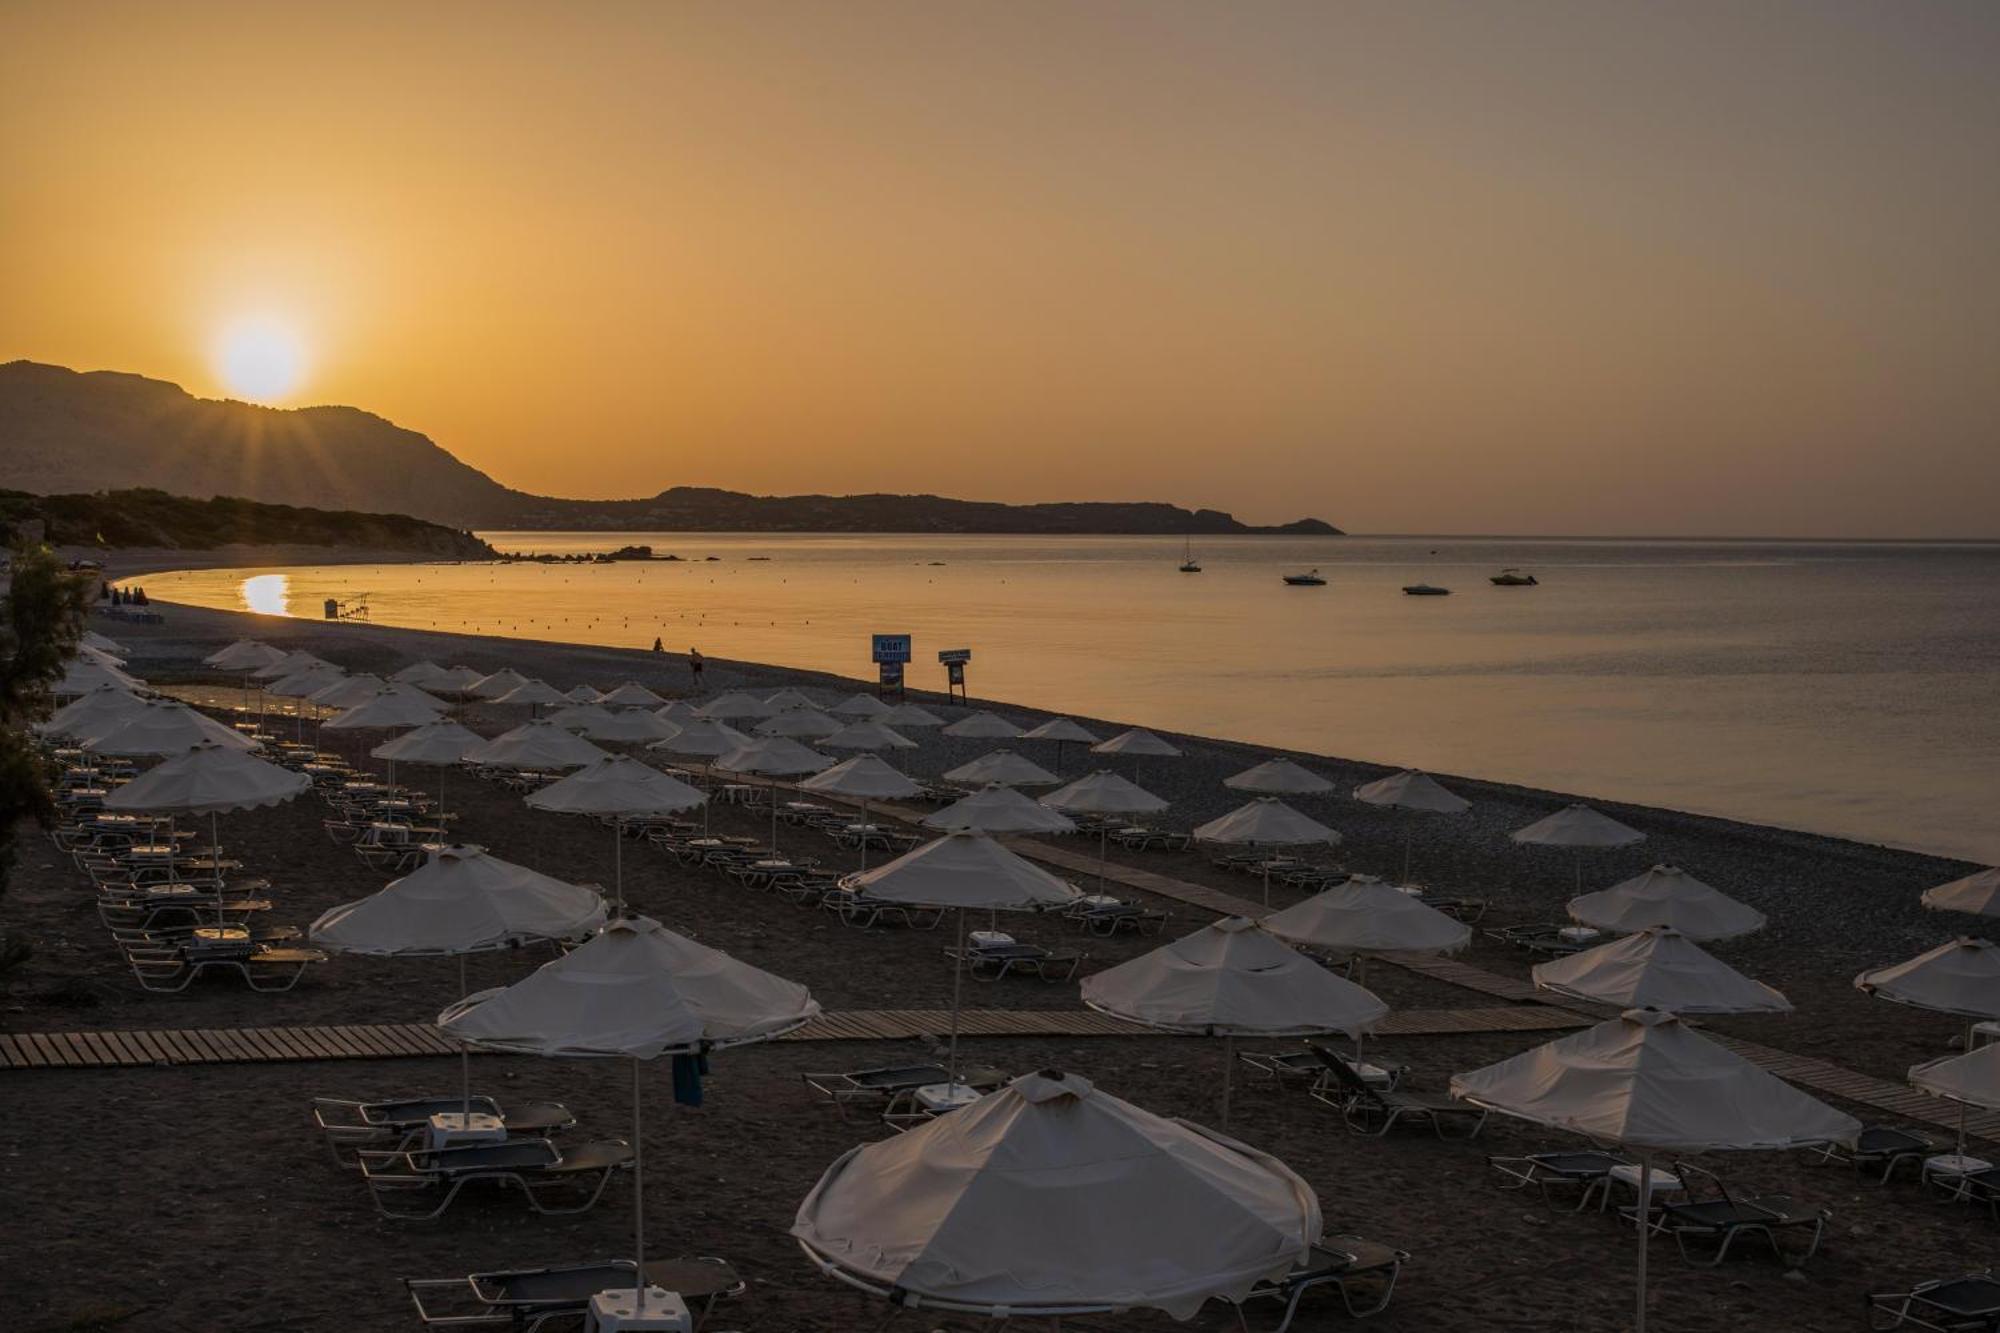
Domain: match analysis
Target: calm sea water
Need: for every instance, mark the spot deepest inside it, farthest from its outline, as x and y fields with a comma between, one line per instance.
x=1848, y=689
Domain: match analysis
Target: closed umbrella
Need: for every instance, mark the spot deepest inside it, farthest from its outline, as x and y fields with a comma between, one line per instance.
x=539, y=744
x=773, y=757
x=859, y=705
x=1978, y=894
x=1658, y=968
x=979, y=726
x=1051, y=1197
x=864, y=778
x=1667, y=896
x=619, y=787
x=638, y=991
x=1647, y=1082
x=1577, y=826
x=1278, y=777
x=1004, y=767
x=633, y=695
x=1266, y=822
x=1232, y=979
x=1410, y=790
x=1103, y=793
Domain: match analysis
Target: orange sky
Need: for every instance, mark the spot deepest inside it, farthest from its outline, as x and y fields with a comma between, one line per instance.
x=1538, y=268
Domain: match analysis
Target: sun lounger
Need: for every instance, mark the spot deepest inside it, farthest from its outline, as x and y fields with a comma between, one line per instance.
x=1364, y=1272
x=1553, y=939
x=1585, y=1171
x=1713, y=1215
x=1968, y=1304
x=262, y=967
x=994, y=962
x=1371, y=1110
x=1882, y=1148
x=861, y=911
x=1304, y=1067
x=875, y=1087
x=537, y=1167
x=526, y=1298
x=349, y=1124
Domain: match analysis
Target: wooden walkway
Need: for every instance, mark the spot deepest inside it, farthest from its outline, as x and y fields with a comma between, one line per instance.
x=116, y=1048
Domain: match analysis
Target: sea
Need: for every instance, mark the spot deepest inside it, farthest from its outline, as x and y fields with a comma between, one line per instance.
x=1842, y=688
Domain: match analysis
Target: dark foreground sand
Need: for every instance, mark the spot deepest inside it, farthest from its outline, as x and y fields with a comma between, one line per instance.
x=197, y=1198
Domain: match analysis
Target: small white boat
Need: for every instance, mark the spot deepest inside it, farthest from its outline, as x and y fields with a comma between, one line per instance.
x=1310, y=579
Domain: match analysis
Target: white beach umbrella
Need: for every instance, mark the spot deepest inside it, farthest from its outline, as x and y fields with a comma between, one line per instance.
x=163, y=728
x=1137, y=742
x=1362, y=917
x=1232, y=979
x=977, y=726
x=679, y=711
x=439, y=745
x=384, y=709
x=422, y=674
x=911, y=717
x=531, y=694
x=1970, y=1079
x=729, y=707
x=289, y=665
x=639, y=991
x=866, y=734
x=1658, y=968
x=1050, y=1197
x=209, y=779
x=95, y=712
x=799, y=723
x=860, y=705
x=1410, y=790
x=628, y=725
x=81, y=677
x=961, y=872
x=1278, y=777
x=1647, y=1082
x=504, y=681
x=455, y=680
x=1577, y=826
x=347, y=691
x=632, y=695
x=998, y=809
x=244, y=655
x=865, y=778
x=1667, y=896
x=1004, y=767
x=706, y=739
x=305, y=682
x=772, y=757
x=1960, y=976
x=538, y=744
x=1266, y=822
x=1062, y=731
x=402, y=689
x=619, y=787
x=1978, y=894
x=584, y=694
x=1103, y=793
x=86, y=653
x=91, y=638
x=580, y=717
x=787, y=699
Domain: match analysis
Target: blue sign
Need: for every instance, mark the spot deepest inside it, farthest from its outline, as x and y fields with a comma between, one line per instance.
x=892, y=647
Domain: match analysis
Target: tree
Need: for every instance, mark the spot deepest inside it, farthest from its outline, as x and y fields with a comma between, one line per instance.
x=41, y=622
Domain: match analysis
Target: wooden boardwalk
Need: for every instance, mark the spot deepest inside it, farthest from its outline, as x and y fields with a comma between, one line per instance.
x=117, y=1048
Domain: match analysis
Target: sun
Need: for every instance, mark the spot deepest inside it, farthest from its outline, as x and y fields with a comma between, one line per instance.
x=260, y=359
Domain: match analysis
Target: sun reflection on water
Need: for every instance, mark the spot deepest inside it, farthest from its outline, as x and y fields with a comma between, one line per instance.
x=267, y=594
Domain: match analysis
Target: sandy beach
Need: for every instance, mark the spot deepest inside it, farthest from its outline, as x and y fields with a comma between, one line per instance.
x=184, y=1198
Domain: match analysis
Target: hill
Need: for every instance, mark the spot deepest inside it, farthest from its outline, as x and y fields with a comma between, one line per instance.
x=154, y=518
x=65, y=431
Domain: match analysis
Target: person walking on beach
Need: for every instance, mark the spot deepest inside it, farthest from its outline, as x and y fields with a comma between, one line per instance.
x=694, y=666
x=658, y=647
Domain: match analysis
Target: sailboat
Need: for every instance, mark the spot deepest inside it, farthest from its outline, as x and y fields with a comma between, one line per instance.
x=1189, y=565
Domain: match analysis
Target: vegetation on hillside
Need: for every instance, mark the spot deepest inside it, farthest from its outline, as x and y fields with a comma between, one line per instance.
x=155, y=518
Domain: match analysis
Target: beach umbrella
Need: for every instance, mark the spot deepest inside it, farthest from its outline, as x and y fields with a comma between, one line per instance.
x=307, y=681
x=637, y=991
x=1978, y=894
x=532, y=694
x=580, y=717
x=859, y=705
x=92, y=639
x=584, y=694
x=461, y=901
x=864, y=778
x=1658, y=968
x=866, y=734
x=1667, y=896
x=1970, y=1079
x=1140, y=744
x=785, y=699
x=422, y=674
x=504, y=681
x=163, y=728
x=1362, y=917
x=538, y=744
x=957, y=873
x=290, y=665
x=633, y=695
x=977, y=726
x=998, y=809
x=679, y=711
x=455, y=680
x=347, y=691
x=1266, y=822
x=1647, y=1082
x=96, y=711
x=910, y=717
x=619, y=787
x=404, y=690
x=385, y=709
x=800, y=724
x=735, y=705
x=773, y=757
x=244, y=655
x=439, y=744
x=1960, y=977
x=1051, y=1197
x=1278, y=777
x=632, y=725
x=1232, y=979
x=1060, y=730
x=1410, y=790
x=1103, y=793
x=209, y=779
x=81, y=677
x=86, y=653
x=1577, y=826
x=1004, y=767
x=707, y=740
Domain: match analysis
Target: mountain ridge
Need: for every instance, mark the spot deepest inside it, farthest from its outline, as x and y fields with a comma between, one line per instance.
x=67, y=431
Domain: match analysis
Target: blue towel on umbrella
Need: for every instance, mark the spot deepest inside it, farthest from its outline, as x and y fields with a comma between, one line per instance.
x=688, y=1072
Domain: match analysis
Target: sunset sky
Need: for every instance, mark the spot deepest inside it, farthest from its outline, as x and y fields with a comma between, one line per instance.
x=1682, y=268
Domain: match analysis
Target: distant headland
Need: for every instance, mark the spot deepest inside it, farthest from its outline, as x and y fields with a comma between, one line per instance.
x=67, y=431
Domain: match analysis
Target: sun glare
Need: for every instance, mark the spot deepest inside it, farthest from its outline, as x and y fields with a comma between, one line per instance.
x=260, y=359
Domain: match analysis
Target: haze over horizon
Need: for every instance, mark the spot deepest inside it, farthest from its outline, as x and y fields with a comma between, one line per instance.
x=1556, y=268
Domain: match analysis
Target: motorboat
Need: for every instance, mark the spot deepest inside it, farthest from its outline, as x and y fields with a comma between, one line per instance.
x=1513, y=578
x=1425, y=590
x=1310, y=579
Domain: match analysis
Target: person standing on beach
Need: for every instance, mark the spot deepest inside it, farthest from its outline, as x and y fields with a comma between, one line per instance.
x=694, y=666
x=658, y=647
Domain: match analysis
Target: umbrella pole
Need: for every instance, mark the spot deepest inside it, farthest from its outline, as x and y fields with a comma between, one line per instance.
x=618, y=860
x=957, y=988
x=638, y=1192
x=864, y=833
x=773, y=789
x=708, y=790
x=1409, y=836
x=1645, y=1233
x=464, y=1056
x=1103, y=850
x=1228, y=1068
x=1267, y=884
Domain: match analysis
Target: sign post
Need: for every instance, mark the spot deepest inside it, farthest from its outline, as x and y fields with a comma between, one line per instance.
x=891, y=653
x=954, y=660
